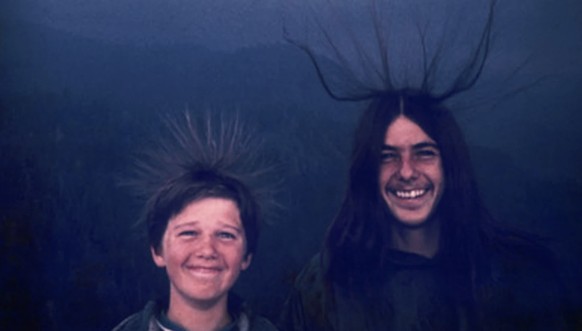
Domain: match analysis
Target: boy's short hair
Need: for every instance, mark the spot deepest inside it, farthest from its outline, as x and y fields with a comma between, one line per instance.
x=192, y=186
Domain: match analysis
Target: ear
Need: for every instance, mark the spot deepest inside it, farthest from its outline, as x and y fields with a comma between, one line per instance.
x=158, y=257
x=246, y=262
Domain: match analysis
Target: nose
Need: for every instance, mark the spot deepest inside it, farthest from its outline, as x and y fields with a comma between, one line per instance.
x=407, y=170
x=206, y=248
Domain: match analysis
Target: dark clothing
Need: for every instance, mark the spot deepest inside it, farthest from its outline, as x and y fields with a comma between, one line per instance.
x=412, y=293
x=153, y=318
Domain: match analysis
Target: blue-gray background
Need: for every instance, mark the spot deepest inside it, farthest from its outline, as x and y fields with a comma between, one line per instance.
x=82, y=85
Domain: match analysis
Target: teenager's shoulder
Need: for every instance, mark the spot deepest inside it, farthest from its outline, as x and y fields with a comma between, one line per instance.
x=260, y=323
x=304, y=308
x=139, y=321
x=527, y=270
x=525, y=289
x=311, y=275
x=246, y=318
x=516, y=251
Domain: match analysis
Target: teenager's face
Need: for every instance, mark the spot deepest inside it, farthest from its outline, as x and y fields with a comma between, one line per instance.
x=411, y=175
x=203, y=250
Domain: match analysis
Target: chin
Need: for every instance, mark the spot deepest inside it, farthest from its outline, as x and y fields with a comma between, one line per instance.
x=412, y=220
x=412, y=223
x=206, y=297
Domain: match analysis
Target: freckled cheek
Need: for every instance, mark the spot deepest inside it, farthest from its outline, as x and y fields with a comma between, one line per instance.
x=434, y=169
x=437, y=177
x=178, y=252
x=234, y=248
x=234, y=251
x=386, y=172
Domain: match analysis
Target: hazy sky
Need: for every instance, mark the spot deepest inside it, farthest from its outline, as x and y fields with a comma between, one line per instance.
x=548, y=32
x=228, y=23
x=545, y=35
x=209, y=22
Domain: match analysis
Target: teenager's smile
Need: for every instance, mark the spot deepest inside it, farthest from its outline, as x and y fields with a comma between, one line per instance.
x=411, y=178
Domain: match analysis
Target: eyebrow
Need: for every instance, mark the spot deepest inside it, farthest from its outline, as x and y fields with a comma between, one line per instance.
x=420, y=145
x=238, y=229
x=181, y=225
x=425, y=144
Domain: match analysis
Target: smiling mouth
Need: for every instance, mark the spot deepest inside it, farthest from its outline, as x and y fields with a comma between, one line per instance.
x=204, y=270
x=409, y=194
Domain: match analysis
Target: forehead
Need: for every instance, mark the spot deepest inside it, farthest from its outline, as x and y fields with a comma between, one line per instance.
x=403, y=132
x=209, y=210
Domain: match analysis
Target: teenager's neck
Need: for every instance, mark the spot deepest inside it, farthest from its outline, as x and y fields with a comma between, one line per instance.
x=422, y=240
x=194, y=317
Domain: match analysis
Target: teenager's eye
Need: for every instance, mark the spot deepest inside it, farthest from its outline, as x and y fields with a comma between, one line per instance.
x=389, y=156
x=226, y=235
x=426, y=153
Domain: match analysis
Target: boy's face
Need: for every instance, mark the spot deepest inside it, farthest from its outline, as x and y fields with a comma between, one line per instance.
x=203, y=250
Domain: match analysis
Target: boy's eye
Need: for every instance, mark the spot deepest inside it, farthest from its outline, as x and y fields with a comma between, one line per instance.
x=226, y=235
x=187, y=233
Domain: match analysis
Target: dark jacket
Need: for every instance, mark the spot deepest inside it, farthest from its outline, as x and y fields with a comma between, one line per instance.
x=522, y=293
x=148, y=319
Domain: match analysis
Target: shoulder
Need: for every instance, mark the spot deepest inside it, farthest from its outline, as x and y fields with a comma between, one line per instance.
x=246, y=319
x=259, y=323
x=140, y=321
x=311, y=276
x=523, y=263
x=309, y=288
x=521, y=254
x=305, y=306
x=525, y=288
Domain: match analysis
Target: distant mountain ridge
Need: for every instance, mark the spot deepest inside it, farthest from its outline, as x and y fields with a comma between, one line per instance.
x=40, y=59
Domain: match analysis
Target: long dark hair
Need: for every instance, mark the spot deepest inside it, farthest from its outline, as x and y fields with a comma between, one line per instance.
x=355, y=254
x=358, y=240
x=359, y=237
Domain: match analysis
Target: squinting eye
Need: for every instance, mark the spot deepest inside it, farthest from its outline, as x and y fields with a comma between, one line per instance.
x=188, y=233
x=387, y=157
x=226, y=235
x=426, y=153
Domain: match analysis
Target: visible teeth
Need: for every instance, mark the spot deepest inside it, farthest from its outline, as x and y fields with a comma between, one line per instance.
x=410, y=194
